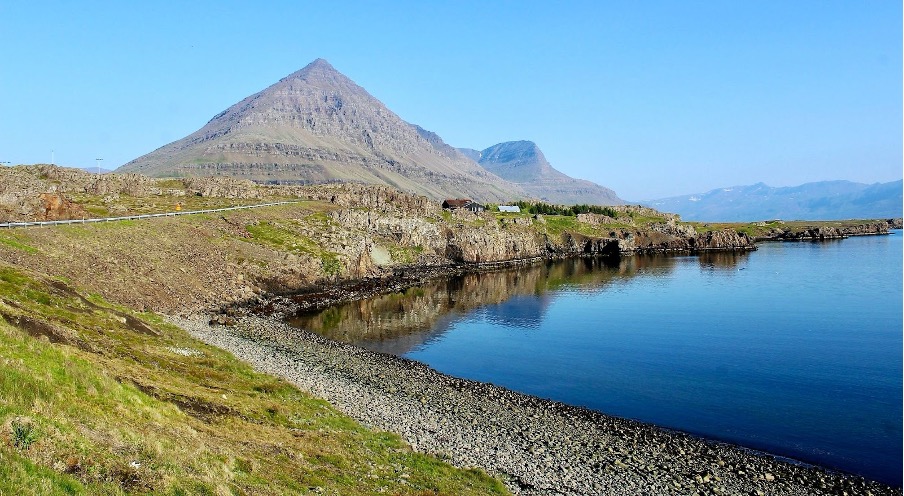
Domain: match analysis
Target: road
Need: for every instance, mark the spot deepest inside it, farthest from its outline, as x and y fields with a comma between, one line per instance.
x=9, y=225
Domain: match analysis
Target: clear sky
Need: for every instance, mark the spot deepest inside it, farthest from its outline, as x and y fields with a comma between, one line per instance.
x=652, y=99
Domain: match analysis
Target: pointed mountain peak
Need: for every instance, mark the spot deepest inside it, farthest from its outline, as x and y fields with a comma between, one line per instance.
x=319, y=65
x=318, y=71
x=316, y=125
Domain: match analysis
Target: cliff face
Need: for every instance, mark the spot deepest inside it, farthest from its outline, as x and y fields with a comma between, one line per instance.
x=482, y=238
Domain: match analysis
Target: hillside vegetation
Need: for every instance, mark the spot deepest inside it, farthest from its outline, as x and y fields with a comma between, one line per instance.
x=97, y=399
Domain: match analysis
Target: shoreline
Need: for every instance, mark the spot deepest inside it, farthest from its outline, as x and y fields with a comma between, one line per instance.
x=536, y=446
x=320, y=296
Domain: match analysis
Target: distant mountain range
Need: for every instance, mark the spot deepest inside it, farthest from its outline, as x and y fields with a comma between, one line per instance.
x=523, y=163
x=316, y=125
x=826, y=200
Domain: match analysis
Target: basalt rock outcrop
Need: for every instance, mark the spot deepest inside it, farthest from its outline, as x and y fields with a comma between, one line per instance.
x=725, y=239
x=58, y=207
x=223, y=187
x=830, y=232
x=379, y=198
x=481, y=238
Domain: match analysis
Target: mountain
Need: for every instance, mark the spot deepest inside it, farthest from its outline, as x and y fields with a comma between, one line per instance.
x=826, y=200
x=96, y=170
x=523, y=163
x=470, y=153
x=316, y=125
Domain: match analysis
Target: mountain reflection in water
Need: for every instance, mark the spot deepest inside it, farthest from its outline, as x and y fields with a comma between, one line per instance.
x=398, y=323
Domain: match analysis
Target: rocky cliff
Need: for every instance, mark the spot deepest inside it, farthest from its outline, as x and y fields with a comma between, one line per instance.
x=830, y=232
x=480, y=238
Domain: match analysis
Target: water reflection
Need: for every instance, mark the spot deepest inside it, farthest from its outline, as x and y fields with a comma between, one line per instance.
x=397, y=323
x=723, y=260
x=689, y=343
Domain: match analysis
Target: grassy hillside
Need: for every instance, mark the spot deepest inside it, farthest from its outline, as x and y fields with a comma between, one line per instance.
x=97, y=399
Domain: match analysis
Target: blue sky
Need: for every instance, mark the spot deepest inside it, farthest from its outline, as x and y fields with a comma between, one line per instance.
x=651, y=98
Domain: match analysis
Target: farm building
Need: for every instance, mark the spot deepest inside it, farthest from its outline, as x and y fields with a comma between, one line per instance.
x=463, y=203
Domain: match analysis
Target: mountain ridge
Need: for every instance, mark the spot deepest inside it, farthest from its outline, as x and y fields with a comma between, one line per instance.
x=821, y=200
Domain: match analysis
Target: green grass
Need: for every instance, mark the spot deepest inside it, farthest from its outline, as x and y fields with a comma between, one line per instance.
x=283, y=238
x=20, y=475
x=280, y=237
x=559, y=224
x=24, y=433
x=14, y=241
x=330, y=264
x=320, y=219
x=170, y=184
x=405, y=254
x=643, y=220
x=95, y=399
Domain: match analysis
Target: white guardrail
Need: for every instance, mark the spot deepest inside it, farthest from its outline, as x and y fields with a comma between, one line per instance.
x=9, y=225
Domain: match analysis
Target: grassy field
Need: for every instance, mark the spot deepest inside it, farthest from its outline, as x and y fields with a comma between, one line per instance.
x=96, y=399
x=559, y=224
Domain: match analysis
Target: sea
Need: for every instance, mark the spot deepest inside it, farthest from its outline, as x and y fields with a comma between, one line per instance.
x=794, y=349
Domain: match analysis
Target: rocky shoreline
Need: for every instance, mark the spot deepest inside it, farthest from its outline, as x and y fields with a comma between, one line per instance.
x=820, y=233
x=536, y=446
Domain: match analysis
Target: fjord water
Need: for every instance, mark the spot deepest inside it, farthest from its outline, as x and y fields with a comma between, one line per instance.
x=795, y=349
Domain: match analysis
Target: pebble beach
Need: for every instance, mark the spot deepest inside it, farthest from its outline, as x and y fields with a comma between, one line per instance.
x=535, y=446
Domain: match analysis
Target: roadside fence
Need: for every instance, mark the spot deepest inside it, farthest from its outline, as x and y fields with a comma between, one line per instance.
x=9, y=225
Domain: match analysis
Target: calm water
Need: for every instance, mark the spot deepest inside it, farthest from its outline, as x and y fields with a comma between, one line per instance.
x=795, y=349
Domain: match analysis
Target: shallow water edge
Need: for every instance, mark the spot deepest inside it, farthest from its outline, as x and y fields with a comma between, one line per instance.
x=536, y=446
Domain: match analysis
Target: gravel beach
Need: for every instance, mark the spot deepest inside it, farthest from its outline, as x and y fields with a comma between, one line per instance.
x=536, y=446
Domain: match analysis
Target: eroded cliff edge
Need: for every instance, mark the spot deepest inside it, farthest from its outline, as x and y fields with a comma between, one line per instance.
x=334, y=234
